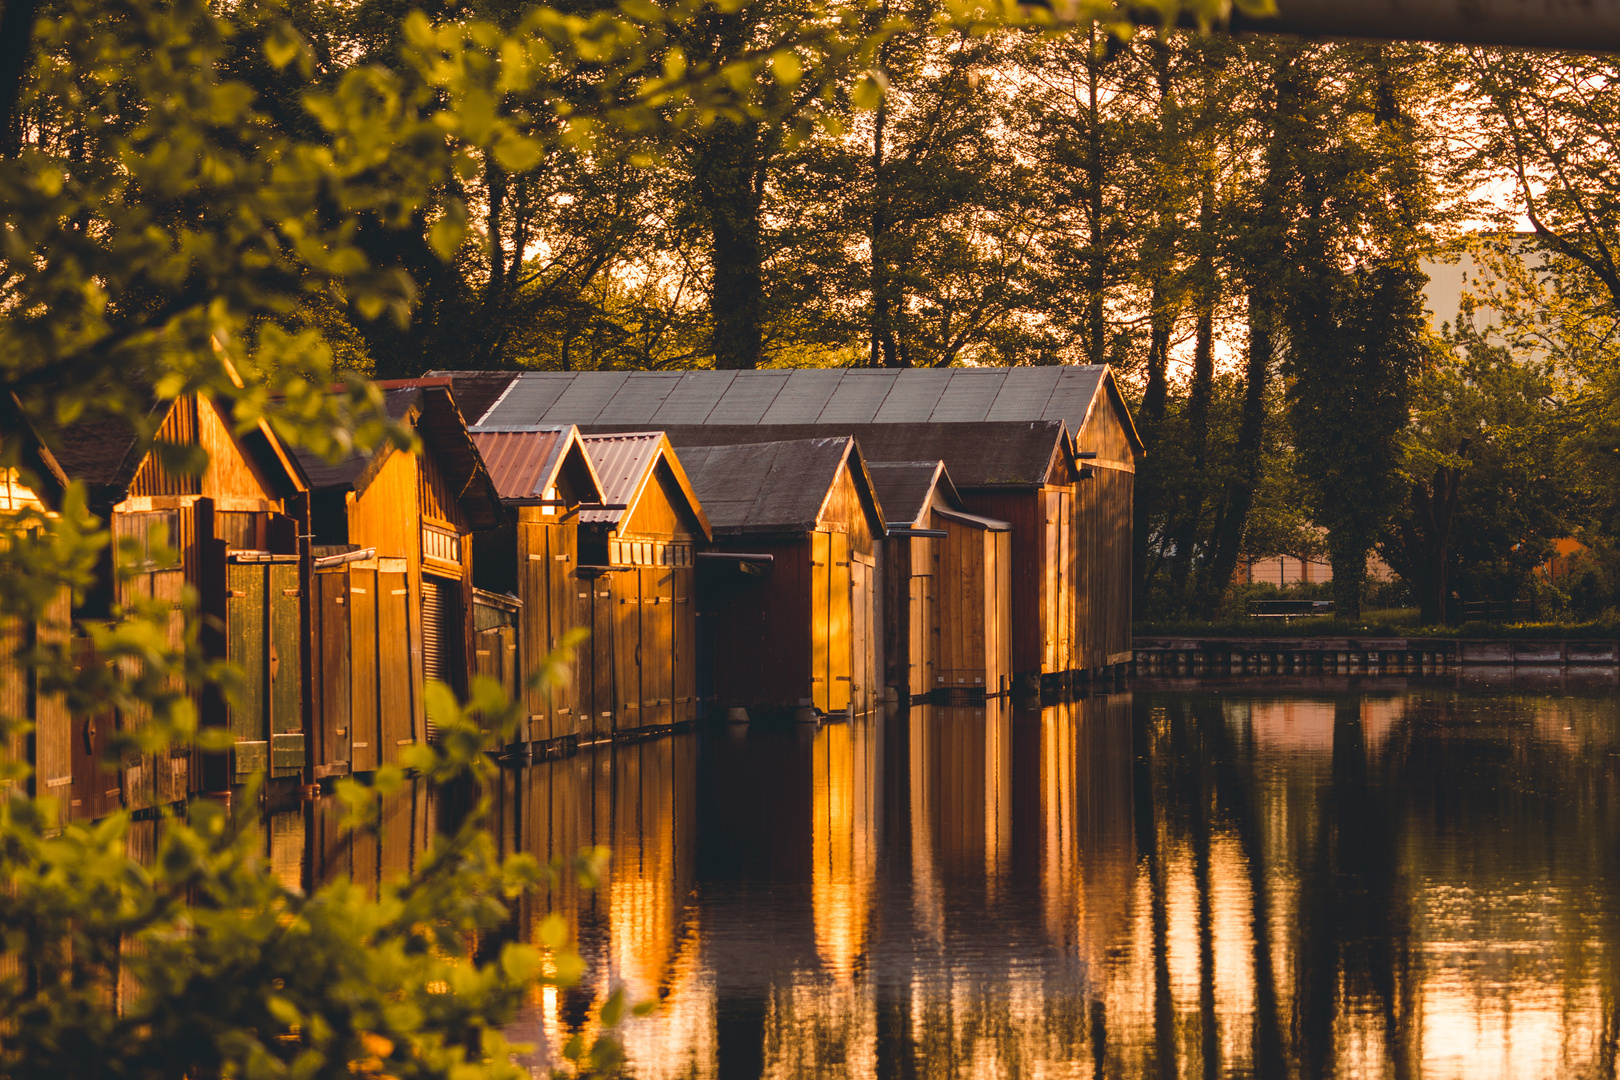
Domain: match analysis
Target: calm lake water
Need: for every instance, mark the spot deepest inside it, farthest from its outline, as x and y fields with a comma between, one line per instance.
x=1277, y=878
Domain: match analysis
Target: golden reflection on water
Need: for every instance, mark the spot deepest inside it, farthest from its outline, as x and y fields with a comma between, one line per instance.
x=1419, y=883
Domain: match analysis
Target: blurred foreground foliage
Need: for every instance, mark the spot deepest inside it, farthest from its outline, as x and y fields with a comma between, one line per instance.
x=188, y=193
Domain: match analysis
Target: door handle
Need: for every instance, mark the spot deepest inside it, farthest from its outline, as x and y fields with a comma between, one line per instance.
x=275, y=662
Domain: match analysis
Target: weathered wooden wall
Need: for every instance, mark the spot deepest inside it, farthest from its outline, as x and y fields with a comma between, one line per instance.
x=382, y=518
x=650, y=676
x=974, y=609
x=1103, y=523
x=757, y=627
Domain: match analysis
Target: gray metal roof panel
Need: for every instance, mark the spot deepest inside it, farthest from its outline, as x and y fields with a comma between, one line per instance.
x=1072, y=397
x=969, y=396
x=694, y=397
x=1024, y=393
x=748, y=396
x=913, y=398
x=527, y=398
x=803, y=396
x=858, y=398
x=585, y=398
x=976, y=456
x=639, y=397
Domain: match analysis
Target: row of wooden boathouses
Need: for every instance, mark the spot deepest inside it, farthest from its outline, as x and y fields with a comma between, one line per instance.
x=735, y=544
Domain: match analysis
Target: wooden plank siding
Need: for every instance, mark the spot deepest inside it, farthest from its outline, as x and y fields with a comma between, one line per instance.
x=758, y=627
x=175, y=527
x=1103, y=524
x=642, y=561
x=802, y=631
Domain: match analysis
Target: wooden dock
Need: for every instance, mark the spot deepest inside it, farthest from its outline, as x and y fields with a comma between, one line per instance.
x=1180, y=655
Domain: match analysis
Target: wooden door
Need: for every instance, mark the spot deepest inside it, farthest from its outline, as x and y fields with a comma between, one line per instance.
x=840, y=625
x=14, y=690
x=157, y=590
x=683, y=625
x=332, y=648
x=535, y=589
x=95, y=791
x=657, y=652
x=918, y=676
x=285, y=669
x=247, y=648
x=1066, y=586
x=1051, y=583
x=600, y=613
x=395, y=692
x=861, y=642
x=627, y=694
x=561, y=617
x=53, y=725
x=820, y=620
x=365, y=710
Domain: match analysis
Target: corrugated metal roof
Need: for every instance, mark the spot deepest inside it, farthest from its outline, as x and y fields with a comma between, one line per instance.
x=621, y=462
x=827, y=396
x=523, y=463
x=906, y=488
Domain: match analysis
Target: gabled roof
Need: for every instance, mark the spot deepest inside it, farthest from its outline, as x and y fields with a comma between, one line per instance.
x=908, y=488
x=524, y=462
x=625, y=463
x=31, y=452
x=827, y=396
x=476, y=391
x=998, y=455
x=106, y=453
x=777, y=487
x=427, y=406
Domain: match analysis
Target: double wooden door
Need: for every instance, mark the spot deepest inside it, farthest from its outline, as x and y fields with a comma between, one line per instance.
x=382, y=693
x=264, y=639
x=831, y=621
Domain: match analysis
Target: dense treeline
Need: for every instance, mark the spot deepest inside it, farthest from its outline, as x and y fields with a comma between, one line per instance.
x=1236, y=223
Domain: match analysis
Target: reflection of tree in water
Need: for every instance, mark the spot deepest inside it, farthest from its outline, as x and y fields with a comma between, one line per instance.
x=1429, y=883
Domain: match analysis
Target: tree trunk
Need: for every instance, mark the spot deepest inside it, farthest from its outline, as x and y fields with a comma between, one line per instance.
x=727, y=187
x=1223, y=559
x=1097, y=256
x=883, y=352
x=17, y=20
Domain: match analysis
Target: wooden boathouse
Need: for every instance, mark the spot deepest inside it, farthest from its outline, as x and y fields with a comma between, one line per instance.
x=1052, y=450
x=393, y=580
x=789, y=589
x=543, y=476
x=947, y=603
x=231, y=533
x=637, y=585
